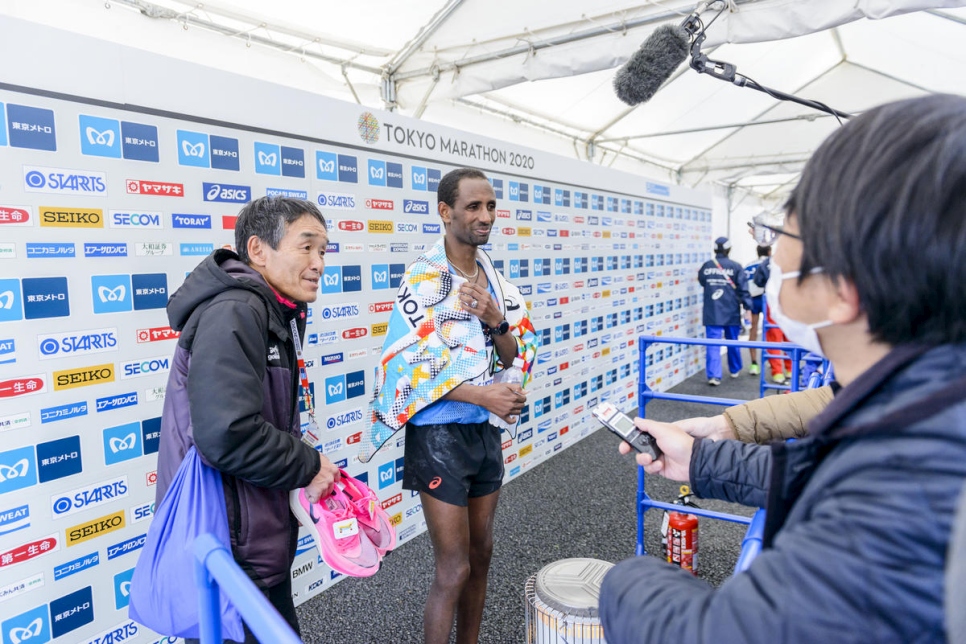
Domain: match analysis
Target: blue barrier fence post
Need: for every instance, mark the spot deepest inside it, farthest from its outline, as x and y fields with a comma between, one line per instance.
x=216, y=570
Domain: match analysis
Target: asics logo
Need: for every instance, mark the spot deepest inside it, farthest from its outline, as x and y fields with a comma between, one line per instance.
x=115, y=294
x=435, y=483
x=125, y=588
x=6, y=300
x=14, y=471
x=100, y=138
x=326, y=166
x=335, y=390
x=122, y=444
x=381, y=276
x=267, y=159
x=331, y=280
x=377, y=173
x=22, y=634
x=196, y=150
x=717, y=294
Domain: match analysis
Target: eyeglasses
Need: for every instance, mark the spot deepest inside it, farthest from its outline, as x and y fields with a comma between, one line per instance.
x=766, y=234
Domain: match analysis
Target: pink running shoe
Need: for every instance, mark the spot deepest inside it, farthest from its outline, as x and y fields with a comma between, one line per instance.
x=373, y=520
x=341, y=543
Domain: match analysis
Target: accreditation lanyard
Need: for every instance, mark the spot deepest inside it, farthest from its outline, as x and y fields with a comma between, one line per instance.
x=311, y=434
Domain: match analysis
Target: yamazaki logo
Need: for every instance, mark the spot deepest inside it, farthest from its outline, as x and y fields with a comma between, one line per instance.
x=357, y=332
x=351, y=225
x=380, y=307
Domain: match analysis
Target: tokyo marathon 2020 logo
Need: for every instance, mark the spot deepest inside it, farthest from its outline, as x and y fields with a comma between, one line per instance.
x=368, y=127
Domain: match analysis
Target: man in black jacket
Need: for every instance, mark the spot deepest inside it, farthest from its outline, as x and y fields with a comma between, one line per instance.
x=234, y=385
x=859, y=512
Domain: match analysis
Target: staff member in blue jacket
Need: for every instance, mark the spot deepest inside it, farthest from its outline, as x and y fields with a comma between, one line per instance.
x=725, y=292
x=859, y=512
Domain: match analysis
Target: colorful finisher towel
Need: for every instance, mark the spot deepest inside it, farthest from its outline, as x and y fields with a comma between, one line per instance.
x=432, y=345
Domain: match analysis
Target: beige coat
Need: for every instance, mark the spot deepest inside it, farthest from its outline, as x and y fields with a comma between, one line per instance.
x=777, y=417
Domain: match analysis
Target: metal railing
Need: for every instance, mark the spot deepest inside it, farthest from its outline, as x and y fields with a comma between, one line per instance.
x=215, y=572
x=751, y=544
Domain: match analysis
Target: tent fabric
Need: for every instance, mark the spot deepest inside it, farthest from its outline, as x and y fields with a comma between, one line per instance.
x=540, y=74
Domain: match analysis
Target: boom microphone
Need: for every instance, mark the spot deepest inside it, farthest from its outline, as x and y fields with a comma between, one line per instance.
x=644, y=73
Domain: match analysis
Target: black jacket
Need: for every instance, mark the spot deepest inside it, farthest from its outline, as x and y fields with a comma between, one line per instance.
x=858, y=522
x=233, y=392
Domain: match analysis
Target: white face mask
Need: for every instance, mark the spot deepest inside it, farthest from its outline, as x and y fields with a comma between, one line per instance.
x=797, y=332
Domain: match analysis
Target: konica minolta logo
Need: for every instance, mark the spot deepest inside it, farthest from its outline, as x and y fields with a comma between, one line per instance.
x=224, y=192
x=416, y=207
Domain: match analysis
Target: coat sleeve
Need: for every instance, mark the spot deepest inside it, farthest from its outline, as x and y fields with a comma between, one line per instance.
x=777, y=417
x=226, y=396
x=730, y=470
x=851, y=571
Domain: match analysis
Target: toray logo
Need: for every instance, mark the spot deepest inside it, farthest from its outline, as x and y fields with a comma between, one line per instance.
x=226, y=193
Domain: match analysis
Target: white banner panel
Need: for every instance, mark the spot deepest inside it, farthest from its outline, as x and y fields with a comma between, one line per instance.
x=111, y=191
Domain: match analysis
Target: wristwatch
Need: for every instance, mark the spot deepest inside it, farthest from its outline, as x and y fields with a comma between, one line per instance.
x=499, y=329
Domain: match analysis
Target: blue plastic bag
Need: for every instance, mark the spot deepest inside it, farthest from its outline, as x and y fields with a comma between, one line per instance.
x=163, y=595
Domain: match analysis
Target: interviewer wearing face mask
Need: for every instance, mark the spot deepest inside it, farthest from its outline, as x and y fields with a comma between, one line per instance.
x=869, y=271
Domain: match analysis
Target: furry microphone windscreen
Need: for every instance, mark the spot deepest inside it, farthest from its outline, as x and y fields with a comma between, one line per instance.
x=641, y=76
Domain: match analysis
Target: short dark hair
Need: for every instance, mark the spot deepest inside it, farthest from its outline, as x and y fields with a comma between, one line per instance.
x=449, y=185
x=763, y=251
x=882, y=202
x=267, y=217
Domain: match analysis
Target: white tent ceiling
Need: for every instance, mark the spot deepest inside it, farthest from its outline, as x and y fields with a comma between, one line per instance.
x=540, y=73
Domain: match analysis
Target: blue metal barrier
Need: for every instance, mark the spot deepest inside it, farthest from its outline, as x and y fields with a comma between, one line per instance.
x=216, y=569
x=751, y=544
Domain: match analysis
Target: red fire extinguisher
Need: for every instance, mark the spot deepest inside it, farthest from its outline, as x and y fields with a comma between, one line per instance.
x=682, y=541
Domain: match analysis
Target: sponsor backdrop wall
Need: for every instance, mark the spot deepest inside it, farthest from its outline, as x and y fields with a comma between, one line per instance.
x=120, y=170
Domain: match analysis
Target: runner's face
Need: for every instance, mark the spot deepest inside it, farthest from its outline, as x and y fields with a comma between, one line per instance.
x=295, y=267
x=470, y=219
